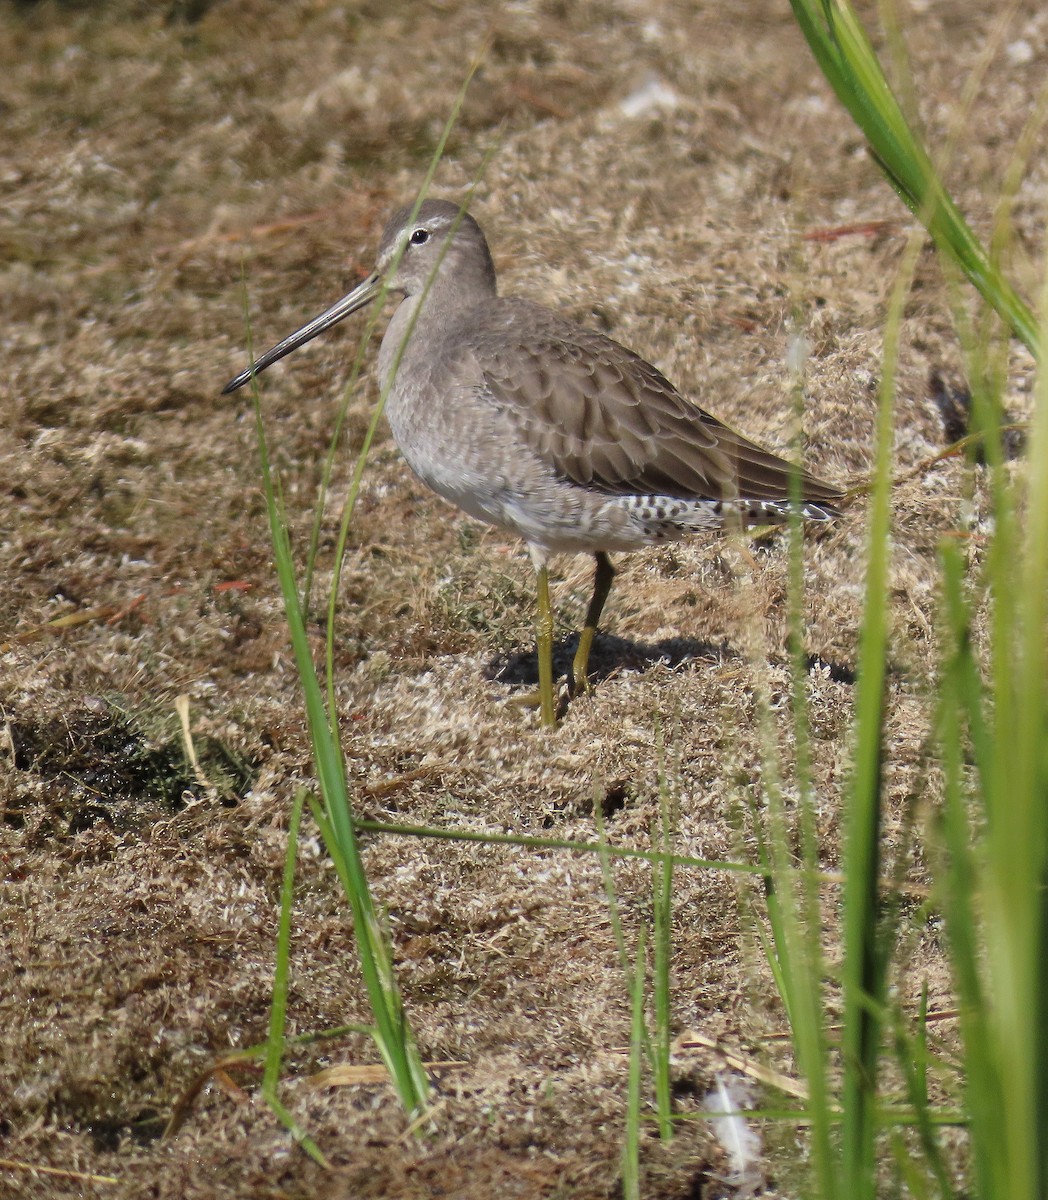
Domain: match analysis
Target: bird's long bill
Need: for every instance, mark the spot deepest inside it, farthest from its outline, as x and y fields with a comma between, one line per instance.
x=363, y=294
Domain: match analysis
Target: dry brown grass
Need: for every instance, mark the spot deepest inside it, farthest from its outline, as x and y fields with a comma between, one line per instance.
x=151, y=154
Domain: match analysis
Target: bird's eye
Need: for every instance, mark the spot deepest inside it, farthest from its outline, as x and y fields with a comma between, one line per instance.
x=419, y=237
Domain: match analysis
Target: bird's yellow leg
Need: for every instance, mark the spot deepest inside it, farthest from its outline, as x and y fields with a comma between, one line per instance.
x=602, y=581
x=544, y=645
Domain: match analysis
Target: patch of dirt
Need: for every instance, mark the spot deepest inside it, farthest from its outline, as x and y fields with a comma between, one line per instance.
x=155, y=157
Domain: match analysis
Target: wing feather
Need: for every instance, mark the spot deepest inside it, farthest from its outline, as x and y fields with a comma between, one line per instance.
x=606, y=419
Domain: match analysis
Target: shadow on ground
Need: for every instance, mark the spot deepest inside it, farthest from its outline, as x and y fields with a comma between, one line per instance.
x=612, y=655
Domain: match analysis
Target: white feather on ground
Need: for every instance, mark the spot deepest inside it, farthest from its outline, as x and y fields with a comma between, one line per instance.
x=740, y=1141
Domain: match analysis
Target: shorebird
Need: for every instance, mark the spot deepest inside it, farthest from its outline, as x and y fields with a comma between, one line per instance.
x=546, y=429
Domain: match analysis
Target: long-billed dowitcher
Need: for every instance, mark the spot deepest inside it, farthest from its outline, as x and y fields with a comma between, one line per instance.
x=541, y=427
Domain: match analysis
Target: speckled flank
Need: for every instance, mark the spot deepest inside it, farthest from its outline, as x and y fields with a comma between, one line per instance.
x=662, y=518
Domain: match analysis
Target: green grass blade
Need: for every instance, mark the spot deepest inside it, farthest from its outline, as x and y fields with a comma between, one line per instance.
x=349, y=505
x=274, y=1045
x=638, y=1035
x=332, y=783
x=374, y=316
x=846, y=58
x=960, y=693
x=994, y=826
x=662, y=906
x=604, y=854
x=358, y=471
x=911, y=1053
x=391, y=1030
x=795, y=958
x=600, y=848
x=865, y=965
x=1017, y=828
x=281, y=976
x=288, y=1120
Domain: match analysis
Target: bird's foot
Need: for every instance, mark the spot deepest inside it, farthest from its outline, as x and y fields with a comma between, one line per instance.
x=578, y=685
x=562, y=699
x=533, y=700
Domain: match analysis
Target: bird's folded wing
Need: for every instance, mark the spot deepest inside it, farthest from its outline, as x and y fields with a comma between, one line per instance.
x=606, y=419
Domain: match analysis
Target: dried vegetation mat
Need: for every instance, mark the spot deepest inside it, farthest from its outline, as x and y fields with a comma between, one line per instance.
x=155, y=155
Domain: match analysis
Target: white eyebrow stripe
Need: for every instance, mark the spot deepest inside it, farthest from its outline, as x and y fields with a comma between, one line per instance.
x=435, y=224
